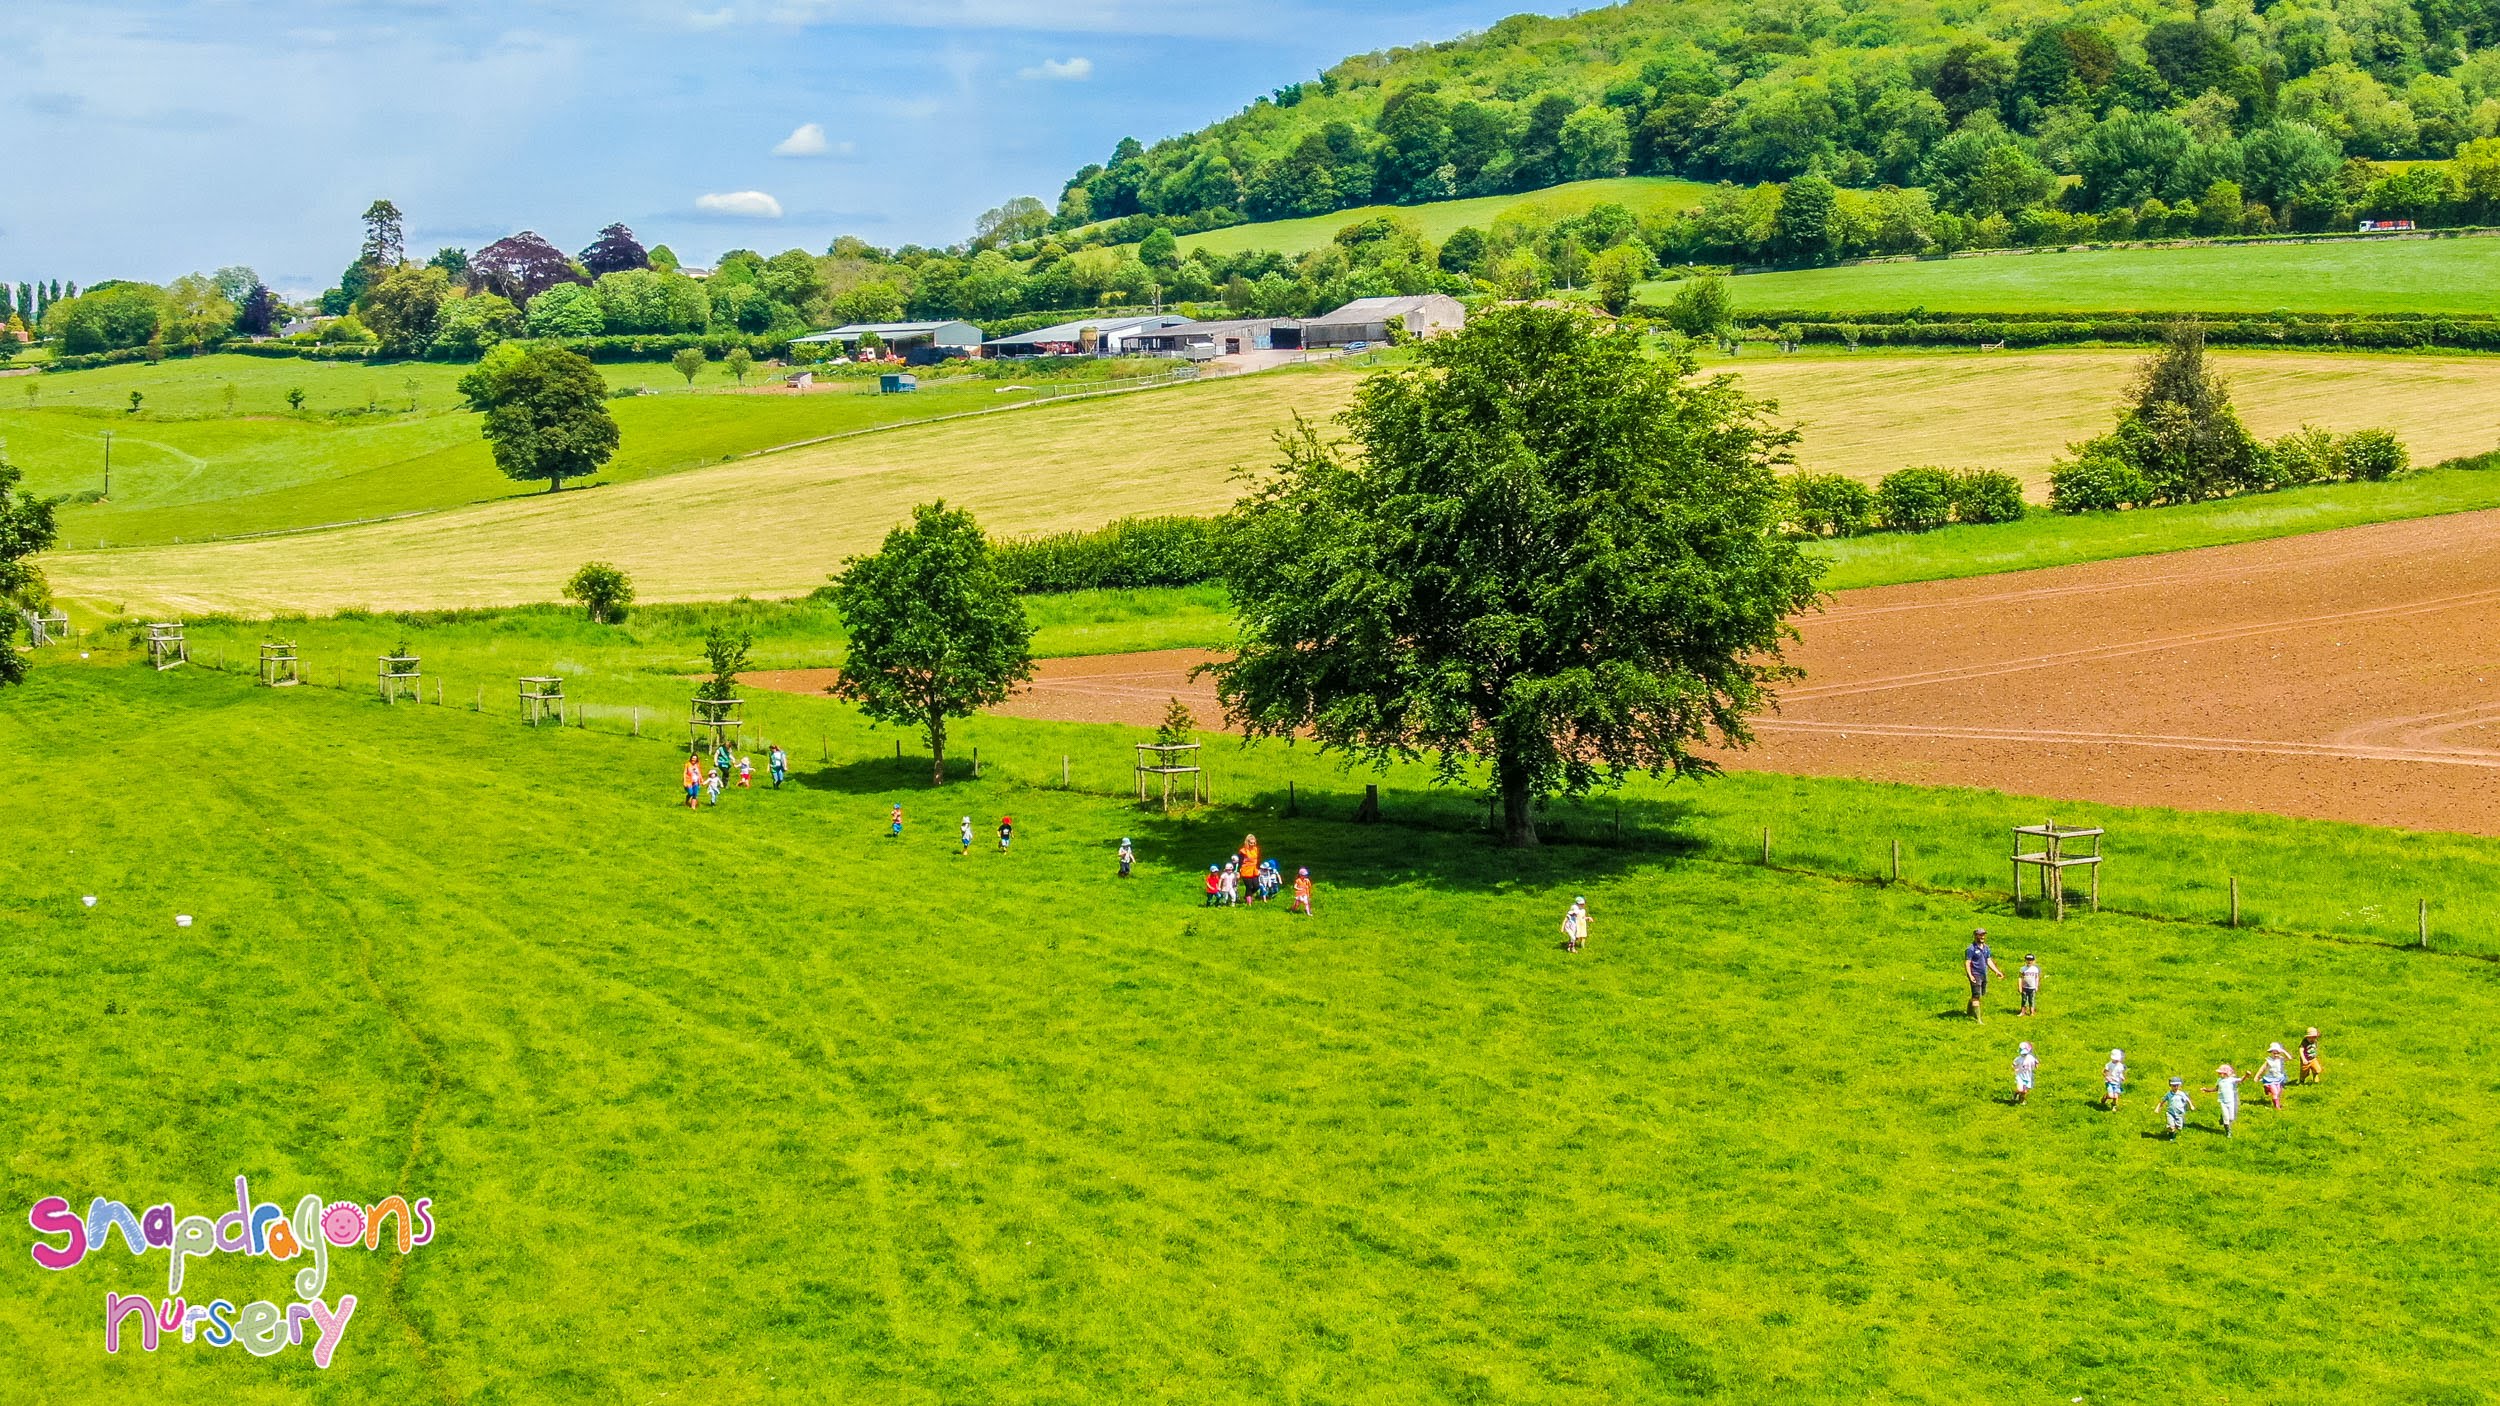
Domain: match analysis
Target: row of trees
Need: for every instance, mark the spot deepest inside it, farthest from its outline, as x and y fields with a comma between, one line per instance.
x=191, y=313
x=1881, y=94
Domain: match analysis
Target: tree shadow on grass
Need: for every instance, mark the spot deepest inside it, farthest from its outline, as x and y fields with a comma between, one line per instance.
x=1341, y=854
x=880, y=776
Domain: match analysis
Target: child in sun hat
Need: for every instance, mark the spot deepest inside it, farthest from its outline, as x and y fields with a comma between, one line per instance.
x=2113, y=1078
x=1232, y=882
x=894, y=824
x=1575, y=924
x=2226, y=1091
x=2270, y=1075
x=711, y=786
x=1215, y=885
x=1128, y=856
x=746, y=773
x=2175, y=1105
x=1271, y=880
x=963, y=835
x=2312, y=1068
x=1302, y=892
x=2025, y=1065
x=1006, y=832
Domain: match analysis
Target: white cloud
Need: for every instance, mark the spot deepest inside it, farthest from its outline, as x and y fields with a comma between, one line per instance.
x=721, y=18
x=745, y=204
x=1072, y=70
x=807, y=139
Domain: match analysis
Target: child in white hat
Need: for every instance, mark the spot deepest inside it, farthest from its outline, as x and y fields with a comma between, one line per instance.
x=2226, y=1091
x=2271, y=1075
x=2025, y=1064
x=2175, y=1105
x=2113, y=1078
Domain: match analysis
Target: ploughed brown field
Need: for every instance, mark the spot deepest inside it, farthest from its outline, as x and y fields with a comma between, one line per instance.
x=2350, y=675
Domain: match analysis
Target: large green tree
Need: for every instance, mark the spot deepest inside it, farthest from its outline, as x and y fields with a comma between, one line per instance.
x=546, y=412
x=1543, y=549
x=25, y=529
x=935, y=631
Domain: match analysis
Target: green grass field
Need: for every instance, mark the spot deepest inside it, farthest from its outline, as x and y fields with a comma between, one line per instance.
x=185, y=471
x=757, y=1104
x=1645, y=195
x=2409, y=275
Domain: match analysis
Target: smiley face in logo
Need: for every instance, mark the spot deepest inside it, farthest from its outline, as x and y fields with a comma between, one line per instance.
x=344, y=1223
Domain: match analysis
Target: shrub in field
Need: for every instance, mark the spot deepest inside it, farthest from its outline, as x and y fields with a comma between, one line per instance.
x=604, y=590
x=2096, y=483
x=2306, y=455
x=1914, y=500
x=1986, y=495
x=1829, y=505
x=1130, y=553
x=2179, y=430
x=2373, y=456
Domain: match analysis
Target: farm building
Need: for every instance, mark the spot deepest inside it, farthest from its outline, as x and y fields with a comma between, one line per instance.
x=915, y=342
x=1367, y=320
x=1206, y=339
x=1108, y=336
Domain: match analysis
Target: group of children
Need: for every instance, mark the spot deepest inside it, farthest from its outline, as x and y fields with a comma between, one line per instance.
x=2272, y=1074
x=702, y=782
x=1247, y=877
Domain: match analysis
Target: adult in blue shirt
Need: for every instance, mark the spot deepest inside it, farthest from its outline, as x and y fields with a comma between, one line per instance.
x=1978, y=965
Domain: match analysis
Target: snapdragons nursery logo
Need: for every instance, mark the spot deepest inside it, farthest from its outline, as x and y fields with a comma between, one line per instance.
x=263, y=1328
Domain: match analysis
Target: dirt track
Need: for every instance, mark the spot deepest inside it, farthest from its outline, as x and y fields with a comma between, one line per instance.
x=2350, y=675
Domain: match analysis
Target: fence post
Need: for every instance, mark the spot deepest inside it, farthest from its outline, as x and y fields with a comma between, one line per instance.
x=1063, y=771
x=1292, y=805
x=976, y=763
x=2235, y=900
x=637, y=722
x=2422, y=922
x=1766, y=845
x=1896, y=861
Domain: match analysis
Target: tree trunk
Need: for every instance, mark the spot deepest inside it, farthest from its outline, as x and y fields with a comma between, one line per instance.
x=937, y=748
x=555, y=483
x=1518, y=801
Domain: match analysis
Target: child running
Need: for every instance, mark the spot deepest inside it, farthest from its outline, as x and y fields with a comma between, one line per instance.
x=746, y=773
x=779, y=761
x=966, y=836
x=1128, y=856
x=1302, y=892
x=2312, y=1068
x=894, y=824
x=2030, y=981
x=694, y=783
x=2025, y=1065
x=711, y=785
x=2226, y=1091
x=1006, y=831
x=2175, y=1106
x=2113, y=1078
x=2270, y=1075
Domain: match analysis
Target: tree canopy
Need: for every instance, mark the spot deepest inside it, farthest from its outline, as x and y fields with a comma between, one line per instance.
x=935, y=631
x=1541, y=548
x=546, y=412
x=25, y=529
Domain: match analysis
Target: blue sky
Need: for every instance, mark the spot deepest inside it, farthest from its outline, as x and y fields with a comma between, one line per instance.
x=149, y=138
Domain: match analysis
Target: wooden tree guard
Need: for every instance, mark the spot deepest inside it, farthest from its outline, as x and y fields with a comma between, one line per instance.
x=2053, y=861
x=279, y=668
x=542, y=697
x=1167, y=760
x=45, y=627
x=398, y=676
x=716, y=722
x=166, y=647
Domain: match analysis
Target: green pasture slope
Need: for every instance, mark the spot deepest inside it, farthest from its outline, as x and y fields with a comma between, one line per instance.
x=1440, y=219
x=2453, y=275
x=185, y=470
x=755, y=1102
